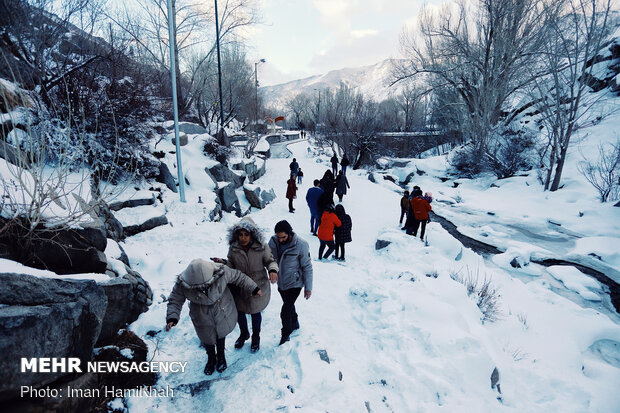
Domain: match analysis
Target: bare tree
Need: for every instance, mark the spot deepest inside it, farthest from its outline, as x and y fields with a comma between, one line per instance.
x=45, y=41
x=604, y=174
x=578, y=30
x=300, y=106
x=194, y=35
x=484, y=53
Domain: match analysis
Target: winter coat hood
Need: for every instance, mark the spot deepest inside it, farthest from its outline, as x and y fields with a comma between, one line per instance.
x=247, y=224
x=199, y=273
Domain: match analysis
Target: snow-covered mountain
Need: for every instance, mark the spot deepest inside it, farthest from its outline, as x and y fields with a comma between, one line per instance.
x=373, y=81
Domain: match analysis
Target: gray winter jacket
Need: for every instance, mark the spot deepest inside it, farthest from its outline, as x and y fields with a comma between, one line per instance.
x=255, y=262
x=211, y=305
x=294, y=262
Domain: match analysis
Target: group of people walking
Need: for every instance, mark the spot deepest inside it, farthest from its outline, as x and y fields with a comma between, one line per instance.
x=415, y=207
x=223, y=292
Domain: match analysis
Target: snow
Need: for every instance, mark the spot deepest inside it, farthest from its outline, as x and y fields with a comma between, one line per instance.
x=17, y=268
x=399, y=333
x=575, y=280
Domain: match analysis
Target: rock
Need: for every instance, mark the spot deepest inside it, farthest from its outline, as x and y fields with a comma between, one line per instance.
x=113, y=227
x=380, y=244
x=221, y=173
x=129, y=295
x=69, y=251
x=371, y=177
x=228, y=199
x=408, y=179
x=252, y=194
x=191, y=128
x=165, y=177
x=182, y=139
x=13, y=155
x=45, y=317
x=145, y=226
x=268, y=196
x=216, y=213
x=514, y=263
x=130, y=203
x=389, y=178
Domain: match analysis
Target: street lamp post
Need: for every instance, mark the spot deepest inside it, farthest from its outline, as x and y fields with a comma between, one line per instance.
x=256, y=96
x=224, y=140
x=175, y=109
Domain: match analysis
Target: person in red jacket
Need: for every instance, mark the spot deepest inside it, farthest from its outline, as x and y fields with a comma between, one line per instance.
x=291, y=192
x=329, y=220
x=420, y=209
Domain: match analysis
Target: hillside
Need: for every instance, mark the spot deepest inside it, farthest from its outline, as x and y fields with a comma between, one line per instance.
x=373, y=81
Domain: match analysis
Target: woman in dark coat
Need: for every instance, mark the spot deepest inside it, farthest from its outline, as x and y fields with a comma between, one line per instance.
x=328, y=184
x=342, y=183
x=342, y=233
x=291, y=192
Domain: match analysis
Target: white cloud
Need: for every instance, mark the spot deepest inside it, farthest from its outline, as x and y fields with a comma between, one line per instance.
x=358, y=34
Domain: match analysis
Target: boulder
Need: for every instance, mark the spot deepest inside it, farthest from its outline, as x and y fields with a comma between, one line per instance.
x=371, y=177
x=45, y=317
x=131, y=203
x=182, y=139
x=165, y=177
x=252, y=194
x=113, y=227
x=145, y=226
x=228, y=199
x=129, y=295
x=221, y=173
x=380, y=244
x=189, y=127
x=268, y=196
x=216, y=213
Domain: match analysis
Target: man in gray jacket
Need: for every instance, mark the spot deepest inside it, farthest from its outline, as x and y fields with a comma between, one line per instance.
x=293, y=257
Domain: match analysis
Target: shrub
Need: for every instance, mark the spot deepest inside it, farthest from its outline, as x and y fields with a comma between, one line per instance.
x=486, y=295
x=604, y=174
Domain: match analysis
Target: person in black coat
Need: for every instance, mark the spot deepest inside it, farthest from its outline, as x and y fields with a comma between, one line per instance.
x=328, y=185
x=344, y=163
x=342, y=233
x=334, y=161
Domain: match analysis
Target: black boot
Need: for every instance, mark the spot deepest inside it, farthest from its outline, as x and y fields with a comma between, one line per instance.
x=210, y=367
x=295, y=324
x=220, y=365
x=241, y=340
x=285, y=337
x=255, y=341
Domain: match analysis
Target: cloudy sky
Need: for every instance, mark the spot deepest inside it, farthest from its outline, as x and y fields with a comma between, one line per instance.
x=300, y=38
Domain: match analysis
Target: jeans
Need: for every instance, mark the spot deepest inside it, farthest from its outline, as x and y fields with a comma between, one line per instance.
x=315, y=221
x=290, y=205
x=243, y=323
x=344, y=170
x=330, y=248
x=288, y=315
x=299, y=179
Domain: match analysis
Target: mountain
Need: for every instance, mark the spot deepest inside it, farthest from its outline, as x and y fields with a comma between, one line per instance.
x=373, y=81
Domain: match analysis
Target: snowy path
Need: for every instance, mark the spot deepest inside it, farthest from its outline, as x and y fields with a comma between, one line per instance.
x=397, y=339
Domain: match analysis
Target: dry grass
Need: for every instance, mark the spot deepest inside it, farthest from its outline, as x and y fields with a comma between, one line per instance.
x=487, y=296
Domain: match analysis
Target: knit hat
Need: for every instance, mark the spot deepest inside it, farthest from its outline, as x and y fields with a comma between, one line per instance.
x=283, y=226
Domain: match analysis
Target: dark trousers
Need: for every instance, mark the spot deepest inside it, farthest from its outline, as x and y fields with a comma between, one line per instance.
x=335, y=169
x=315, y=221
x=403, y=213
x=413, y=228
x=288, y=315
x=299, y=179
x=330, y=248
x=220, y=347
x=340, y=246
x=344, y=170
x=290, y=205
x=243, y=323
x=340, y=197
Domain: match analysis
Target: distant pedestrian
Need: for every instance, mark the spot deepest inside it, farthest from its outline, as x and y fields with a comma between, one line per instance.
x=329, y=220
x=291, y=192
x=293, y=257
x=341, y=185
x=300, y=176
x=344, y=163
x=312, y=198
x=294, y=166
x=404, y=207
x=419, y=212
x=248, y=252
x=211, y=305
x=334, y=161
x=342, y=234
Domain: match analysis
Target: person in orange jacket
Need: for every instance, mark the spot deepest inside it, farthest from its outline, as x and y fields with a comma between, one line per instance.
x=420, y=209
x=329, y=220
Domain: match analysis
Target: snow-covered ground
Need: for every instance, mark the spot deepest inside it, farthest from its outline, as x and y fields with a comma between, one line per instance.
x=390, y=330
